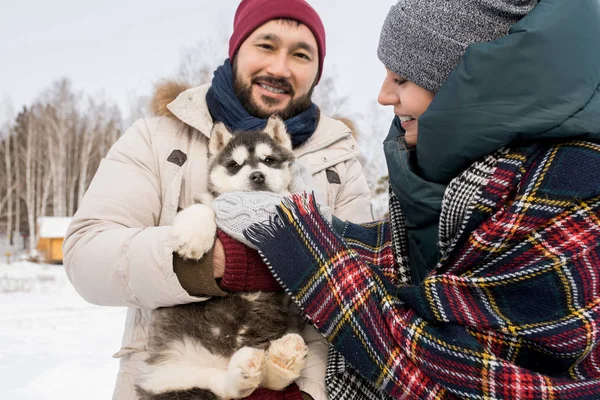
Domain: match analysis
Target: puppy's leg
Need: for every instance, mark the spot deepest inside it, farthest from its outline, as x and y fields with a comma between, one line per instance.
x=205, y=198
x=187, y=368
x=244, y=373
x=184, y=365
x=194, y=231
x=204, y=382
x=285, y=359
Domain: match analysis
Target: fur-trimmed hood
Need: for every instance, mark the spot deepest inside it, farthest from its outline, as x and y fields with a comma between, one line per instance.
x=165, y=93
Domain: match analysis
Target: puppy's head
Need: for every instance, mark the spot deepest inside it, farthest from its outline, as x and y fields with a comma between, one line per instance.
x=250, y=161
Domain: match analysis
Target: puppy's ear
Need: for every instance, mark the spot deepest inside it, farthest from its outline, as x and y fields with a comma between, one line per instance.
x=276, y=129
x=219, y=137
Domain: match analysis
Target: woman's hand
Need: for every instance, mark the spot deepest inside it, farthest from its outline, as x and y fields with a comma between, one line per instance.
x=235, y=212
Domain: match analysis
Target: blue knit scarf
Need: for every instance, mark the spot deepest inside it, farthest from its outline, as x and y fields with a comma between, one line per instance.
x=224, y=106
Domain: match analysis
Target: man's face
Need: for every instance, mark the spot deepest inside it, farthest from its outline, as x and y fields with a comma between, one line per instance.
x=275, y=69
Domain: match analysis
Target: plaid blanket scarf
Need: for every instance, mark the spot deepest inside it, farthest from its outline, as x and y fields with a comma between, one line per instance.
x=512, y=310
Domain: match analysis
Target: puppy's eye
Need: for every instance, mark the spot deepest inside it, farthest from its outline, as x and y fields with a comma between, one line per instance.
x=269, y=160
x=233, y=165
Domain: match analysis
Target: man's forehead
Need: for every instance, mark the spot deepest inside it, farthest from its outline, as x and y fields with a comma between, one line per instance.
x=285, y=30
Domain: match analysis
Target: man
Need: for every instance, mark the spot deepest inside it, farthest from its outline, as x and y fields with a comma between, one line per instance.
x=119, y=248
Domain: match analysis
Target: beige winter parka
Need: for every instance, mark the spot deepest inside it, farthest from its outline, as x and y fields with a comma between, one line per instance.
x=118, y=250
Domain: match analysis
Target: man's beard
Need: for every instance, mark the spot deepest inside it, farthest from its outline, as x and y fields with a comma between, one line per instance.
x=244, y=94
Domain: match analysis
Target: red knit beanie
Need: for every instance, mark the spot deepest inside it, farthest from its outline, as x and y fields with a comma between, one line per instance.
x=252, y=14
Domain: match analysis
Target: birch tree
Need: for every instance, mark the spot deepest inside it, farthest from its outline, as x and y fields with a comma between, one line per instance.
x=43, y=174
x=10, y=186
x=17, y=160
x=30, y=165
x=25, y=138
x=49, y=154
x=7, y=186
x=101, y=128
x=59, y=117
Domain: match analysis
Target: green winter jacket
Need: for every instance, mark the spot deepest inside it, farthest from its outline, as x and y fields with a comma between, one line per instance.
x=539, y=82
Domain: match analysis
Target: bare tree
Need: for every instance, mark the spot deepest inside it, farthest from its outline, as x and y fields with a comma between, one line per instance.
x=329, y=100
x=43, y=174
x=90, y=125
x=7, y=182
x=59, y=119
x=4, y=198
x=101, y=125
x=10, y=184
x=17, y=160
x=32, y=134
x=50, y=153
x=376, y=124
x=200, y=61
x=138, y=108
x=6, y=189
x=25, y=145
x=43, y=184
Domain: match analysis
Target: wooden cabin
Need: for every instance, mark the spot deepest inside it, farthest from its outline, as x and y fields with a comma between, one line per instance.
x=51, y=233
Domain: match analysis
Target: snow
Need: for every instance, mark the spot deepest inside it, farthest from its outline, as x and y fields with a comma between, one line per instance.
x=54, y=345
x=53, y=227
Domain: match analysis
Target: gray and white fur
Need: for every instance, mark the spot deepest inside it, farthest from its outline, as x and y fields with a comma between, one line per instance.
x=224, y=348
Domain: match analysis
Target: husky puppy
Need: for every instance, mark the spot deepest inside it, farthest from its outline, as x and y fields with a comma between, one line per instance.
x=224, y=348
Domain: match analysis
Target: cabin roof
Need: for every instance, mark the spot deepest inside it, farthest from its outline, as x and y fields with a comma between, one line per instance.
x=53, y=227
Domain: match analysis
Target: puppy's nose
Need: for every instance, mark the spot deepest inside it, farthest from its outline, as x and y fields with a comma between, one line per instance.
x=257, y=177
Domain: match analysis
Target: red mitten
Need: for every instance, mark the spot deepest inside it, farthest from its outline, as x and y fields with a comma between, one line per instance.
x=245, y=270
x=292, y=392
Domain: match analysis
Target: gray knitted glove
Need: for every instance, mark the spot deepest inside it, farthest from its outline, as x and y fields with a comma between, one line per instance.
x=237, y=211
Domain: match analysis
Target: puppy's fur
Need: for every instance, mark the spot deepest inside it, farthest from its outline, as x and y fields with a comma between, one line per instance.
x=225, y=348
x=250, y=161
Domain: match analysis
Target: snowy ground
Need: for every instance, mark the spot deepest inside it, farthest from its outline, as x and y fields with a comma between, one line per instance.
x=54, y=345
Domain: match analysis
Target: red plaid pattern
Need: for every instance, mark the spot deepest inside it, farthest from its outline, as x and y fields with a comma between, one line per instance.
x=511, y=311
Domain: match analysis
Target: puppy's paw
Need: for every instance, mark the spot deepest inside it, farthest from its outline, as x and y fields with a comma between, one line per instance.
x=245, y=372
x=194, y=231
x=285, y=359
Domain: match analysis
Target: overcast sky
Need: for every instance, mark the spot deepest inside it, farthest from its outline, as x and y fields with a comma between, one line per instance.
x=121, y=48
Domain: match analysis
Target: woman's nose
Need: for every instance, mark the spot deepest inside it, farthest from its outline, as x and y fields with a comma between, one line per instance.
x=387, y=97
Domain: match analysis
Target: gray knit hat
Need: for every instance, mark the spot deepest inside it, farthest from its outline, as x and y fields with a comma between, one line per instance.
x=423, y=40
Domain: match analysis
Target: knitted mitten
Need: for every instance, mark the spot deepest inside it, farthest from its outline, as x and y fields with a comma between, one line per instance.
x=245, y=270
x=292, y=392
x=237, y=211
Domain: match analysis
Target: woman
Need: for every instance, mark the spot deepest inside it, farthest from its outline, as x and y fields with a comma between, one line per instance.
x=494, y=163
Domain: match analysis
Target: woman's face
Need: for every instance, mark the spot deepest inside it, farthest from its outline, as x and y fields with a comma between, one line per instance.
x=409, y=101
